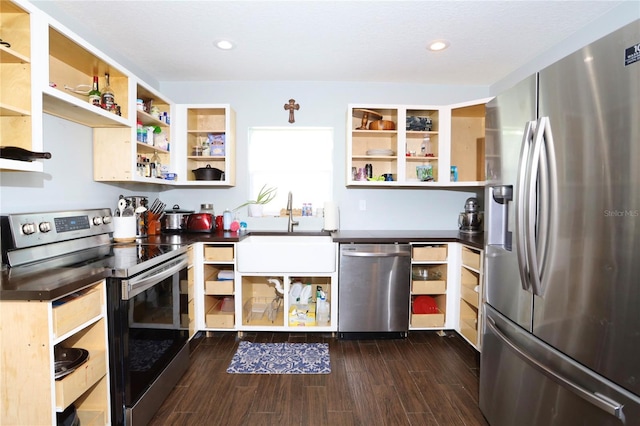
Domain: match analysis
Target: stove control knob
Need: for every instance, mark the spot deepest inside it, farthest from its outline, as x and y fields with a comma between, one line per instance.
x=97, y=220
x=45, y=226
x=29, y=228
x=106, y=220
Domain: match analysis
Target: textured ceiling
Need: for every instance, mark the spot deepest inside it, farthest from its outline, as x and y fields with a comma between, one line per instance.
x=370, y=41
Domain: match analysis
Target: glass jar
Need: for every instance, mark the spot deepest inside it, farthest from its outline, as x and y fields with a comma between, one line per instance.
x=206, y=208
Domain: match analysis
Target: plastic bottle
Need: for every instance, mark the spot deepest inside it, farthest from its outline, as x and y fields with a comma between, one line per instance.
x=227, y=218
x=425, y=148
x=139, y=132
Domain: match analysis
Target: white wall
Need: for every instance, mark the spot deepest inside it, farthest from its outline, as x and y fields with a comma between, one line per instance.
x=67, y=180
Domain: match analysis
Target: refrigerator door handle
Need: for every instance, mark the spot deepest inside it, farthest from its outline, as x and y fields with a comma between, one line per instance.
x=524, y=174
x=534, y=211
x=601, y=401
x=547, y=205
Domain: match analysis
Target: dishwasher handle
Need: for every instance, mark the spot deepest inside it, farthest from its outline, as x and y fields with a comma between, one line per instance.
x=376, y=254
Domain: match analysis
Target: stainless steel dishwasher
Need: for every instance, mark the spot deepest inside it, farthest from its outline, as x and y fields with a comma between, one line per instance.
x=373, y=291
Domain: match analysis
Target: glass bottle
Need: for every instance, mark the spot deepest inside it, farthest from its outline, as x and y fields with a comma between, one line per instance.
x=107, y=101
x=157, y=165
x=94, y=94
x=147, y=167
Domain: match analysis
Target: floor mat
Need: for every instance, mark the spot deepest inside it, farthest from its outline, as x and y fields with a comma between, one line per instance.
x=281, y=358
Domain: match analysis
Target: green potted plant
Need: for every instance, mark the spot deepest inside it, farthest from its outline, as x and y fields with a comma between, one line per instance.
x=265, y=195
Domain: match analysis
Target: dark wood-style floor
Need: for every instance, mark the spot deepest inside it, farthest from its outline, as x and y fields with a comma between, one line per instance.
x=425, y=379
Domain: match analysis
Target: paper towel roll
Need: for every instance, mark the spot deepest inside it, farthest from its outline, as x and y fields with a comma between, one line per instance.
x=331, y=217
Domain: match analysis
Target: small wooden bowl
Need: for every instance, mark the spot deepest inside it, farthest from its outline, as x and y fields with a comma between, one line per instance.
x=382, y=125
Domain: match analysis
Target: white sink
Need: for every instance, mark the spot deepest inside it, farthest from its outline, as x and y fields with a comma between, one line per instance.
x=287, y=253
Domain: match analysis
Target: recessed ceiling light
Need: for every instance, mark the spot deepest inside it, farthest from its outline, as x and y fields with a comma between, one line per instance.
x=438, y=45
x=224, y=44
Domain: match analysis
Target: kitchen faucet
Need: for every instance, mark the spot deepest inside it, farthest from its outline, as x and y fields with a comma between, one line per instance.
x=291, y=223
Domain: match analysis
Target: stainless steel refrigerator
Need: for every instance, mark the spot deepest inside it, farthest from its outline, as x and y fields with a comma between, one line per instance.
x=561, y=333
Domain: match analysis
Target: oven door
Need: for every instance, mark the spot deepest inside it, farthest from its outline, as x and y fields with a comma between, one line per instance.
x=150, y=348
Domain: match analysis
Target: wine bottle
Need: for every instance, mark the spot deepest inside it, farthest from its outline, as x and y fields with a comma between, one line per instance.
x=94, y=94
x=107, y=100
x=21, y=154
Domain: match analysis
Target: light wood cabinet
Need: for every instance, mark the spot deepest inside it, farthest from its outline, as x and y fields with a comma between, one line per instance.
x=433, y=138
x=20, y=124
x=217, y=288
x=72, y=65
x=32, y=330
x=429, y=267
x=206, y=137
x=119, y=154
x=467, y=142
x=471, y=294
x=263, y=307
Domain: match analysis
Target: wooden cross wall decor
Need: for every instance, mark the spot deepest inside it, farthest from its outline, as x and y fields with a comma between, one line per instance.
x=291, y=106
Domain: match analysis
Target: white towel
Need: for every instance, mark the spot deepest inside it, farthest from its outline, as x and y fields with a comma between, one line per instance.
x=225, y=275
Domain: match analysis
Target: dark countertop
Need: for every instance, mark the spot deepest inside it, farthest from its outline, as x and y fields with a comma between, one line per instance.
x=49, y=284
x=421, y=236
x=346, y=236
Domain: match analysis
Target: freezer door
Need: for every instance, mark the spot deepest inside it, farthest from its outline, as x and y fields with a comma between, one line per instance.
x=527, y=383
x=589, y=307
x=508, y=124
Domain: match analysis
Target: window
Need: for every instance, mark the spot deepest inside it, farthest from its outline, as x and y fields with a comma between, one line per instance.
x=297, y=160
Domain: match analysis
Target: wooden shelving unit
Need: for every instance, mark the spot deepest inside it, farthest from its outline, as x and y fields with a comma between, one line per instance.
x=16, y=109
x=433, y=259
x=219, y=295
x=454, y=136
x=471, y=291
x=467, y=142
x=210, y=127
x=74, y=321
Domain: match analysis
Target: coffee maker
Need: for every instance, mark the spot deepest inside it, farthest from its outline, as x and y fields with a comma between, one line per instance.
x=471, y=220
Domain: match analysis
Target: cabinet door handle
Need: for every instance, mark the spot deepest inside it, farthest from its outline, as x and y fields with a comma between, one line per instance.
x=375, y=254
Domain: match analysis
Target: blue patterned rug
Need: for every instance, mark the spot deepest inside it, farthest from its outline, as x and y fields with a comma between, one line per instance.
x=281, y=358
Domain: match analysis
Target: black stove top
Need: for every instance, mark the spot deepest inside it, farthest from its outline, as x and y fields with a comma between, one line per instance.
x=129, y=259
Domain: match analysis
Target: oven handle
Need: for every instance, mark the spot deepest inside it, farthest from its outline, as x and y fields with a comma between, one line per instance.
x=142, y=282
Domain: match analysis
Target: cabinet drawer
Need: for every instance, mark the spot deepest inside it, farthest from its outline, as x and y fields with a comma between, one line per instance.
x=218, y=254
x=213, y=285
x=431, y=319
x=76, y=310
x=471, y=258
x=218, y=287
x=429, y=253
x=428, y=287
x=469, y=295
x=469, y=322
x=216, y=318
x=427, y=320
x=69, y=388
